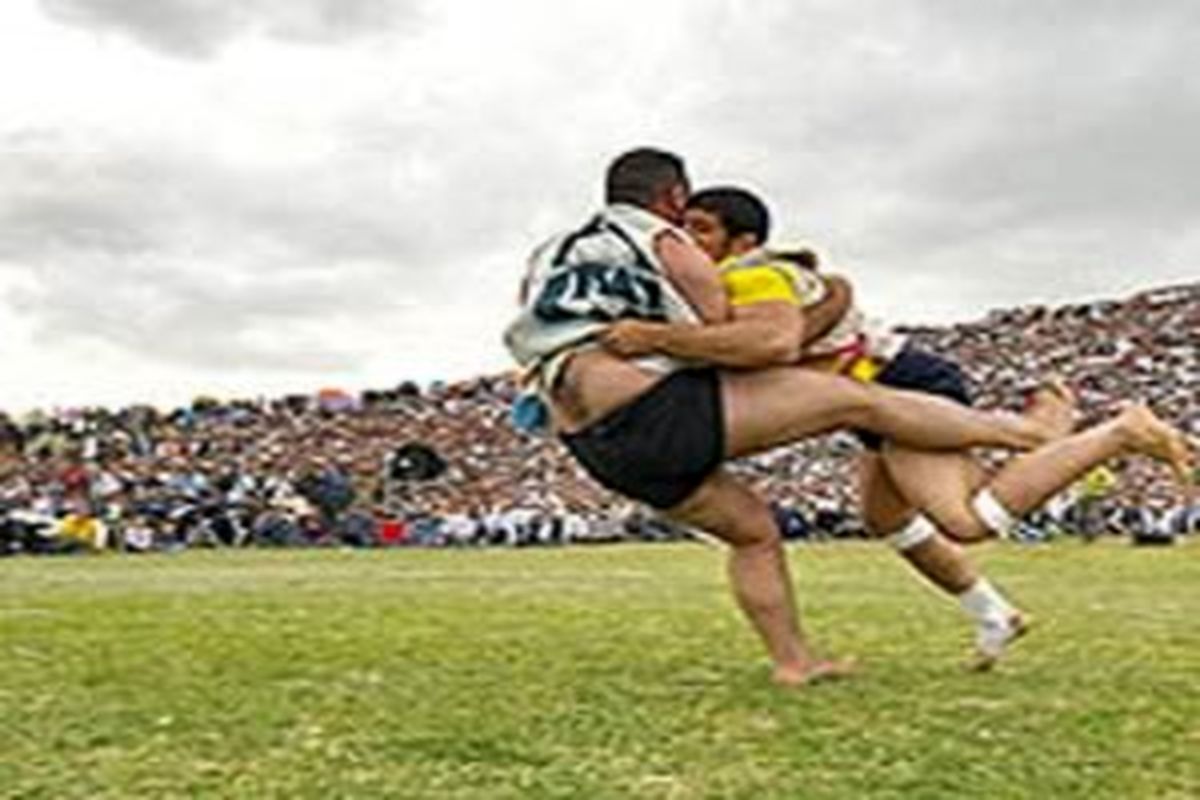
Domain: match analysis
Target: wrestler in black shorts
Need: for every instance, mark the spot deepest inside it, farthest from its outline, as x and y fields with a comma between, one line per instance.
x=661, y=446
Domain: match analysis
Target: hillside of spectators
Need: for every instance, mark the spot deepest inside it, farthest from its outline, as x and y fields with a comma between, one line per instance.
x=441, y=464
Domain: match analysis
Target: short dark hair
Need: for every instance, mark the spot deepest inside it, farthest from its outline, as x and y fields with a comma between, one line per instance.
x=639, y=176
x=739, y=210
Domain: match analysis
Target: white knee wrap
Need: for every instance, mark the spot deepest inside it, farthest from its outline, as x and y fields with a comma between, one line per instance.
x=994, y=516
x=914, y=533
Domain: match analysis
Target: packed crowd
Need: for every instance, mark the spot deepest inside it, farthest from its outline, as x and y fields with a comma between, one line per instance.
x=322, y=470
x=1111, y=352
x=441, y=465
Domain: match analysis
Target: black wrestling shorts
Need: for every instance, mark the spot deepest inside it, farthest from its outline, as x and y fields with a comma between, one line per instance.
x=659, y=447
x=920, y=371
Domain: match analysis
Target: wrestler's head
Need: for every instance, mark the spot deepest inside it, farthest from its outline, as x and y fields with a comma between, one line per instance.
x=651, y=179
x=727, y=221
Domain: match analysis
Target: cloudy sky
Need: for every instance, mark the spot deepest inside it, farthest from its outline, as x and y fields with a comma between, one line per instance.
x=274, y=195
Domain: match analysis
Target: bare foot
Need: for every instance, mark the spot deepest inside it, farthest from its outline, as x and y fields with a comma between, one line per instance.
x=814, y=672
x=1053, y=404
x=1148, y=435
x=993, y=639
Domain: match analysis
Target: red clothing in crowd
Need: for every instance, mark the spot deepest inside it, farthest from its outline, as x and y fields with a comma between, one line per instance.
x=392, y=531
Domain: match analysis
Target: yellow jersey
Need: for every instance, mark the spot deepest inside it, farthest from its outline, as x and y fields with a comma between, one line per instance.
x=758, y=277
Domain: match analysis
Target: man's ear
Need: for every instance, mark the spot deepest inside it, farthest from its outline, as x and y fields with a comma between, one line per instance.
x=676, y=202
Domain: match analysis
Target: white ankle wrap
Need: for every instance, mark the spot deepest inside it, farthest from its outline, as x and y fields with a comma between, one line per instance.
x=994, y=516
x=914, y=533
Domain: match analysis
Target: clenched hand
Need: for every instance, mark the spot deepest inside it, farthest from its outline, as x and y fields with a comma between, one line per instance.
x=631, y=337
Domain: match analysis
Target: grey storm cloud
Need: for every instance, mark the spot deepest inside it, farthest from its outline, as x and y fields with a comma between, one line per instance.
x=141, y=200
x=171, y=252
x=178, y=255
x=951, y=156
x=202, y=318
x=937, y=136
x=200, y=28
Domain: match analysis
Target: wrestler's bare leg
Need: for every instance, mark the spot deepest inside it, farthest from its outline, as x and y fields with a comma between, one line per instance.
x=886, y=512
x=1029, y=480
x=759, y=574
x=771, y=407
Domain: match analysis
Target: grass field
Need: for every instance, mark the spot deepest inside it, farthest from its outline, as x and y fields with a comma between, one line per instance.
x=605, y=672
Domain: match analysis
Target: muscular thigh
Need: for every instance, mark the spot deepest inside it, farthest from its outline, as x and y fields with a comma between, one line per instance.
x=884, y=509
x=728, y=509
x=771, y=407
x=941, y=484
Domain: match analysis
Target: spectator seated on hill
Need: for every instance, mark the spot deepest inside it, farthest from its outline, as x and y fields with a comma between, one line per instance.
x=275, y=528
x=1183, y=520
x=392, y=530
x=27, y=532
x=357, y=528
x=139, y=535
x=85, y=530
x=791, y=522
x=415, y=461
x=329, y=490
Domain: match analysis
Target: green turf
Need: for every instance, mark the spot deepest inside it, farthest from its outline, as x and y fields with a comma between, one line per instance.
x=606, y=672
